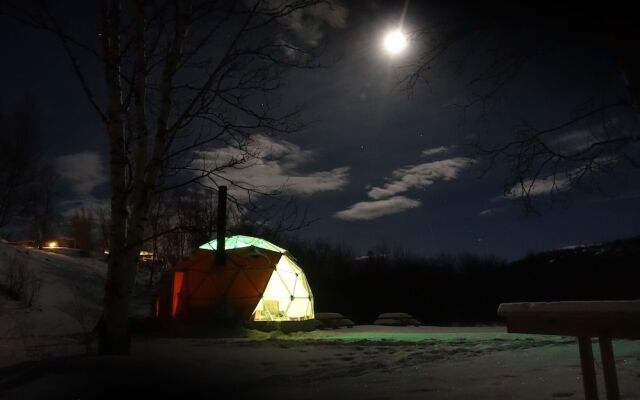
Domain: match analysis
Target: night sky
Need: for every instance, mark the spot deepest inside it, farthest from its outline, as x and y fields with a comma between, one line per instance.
x=378, y=164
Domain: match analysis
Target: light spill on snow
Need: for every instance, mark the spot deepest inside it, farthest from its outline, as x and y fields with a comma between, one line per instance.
x=376, y=362
x=462, y=365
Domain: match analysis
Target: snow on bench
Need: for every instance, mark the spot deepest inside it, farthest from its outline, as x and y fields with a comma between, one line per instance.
x=396, y=319
x=329, y=320
x=609, y=306
x=619, y=319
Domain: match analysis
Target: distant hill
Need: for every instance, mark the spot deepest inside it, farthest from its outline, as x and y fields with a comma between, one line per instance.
x=609, y=270
x=617, y=251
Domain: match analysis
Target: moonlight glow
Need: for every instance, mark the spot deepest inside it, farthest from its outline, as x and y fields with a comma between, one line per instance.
x=395, y=42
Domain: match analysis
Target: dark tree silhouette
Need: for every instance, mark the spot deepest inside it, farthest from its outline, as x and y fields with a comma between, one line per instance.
x=41, y=206
x=82, y=226
x=460, y=288
x=20, y=159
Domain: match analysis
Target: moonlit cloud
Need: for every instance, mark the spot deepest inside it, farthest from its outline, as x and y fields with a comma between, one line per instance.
x=555, y=183
x=435, y=151
x=539, y=187
x=420, y=176
x=580, y=139
x=83, y=170
x=385, y=199
x=273, y=167
x=490, y=211
x=575, y=140
x=368, y=210
x=309, y=23
x=88, y=202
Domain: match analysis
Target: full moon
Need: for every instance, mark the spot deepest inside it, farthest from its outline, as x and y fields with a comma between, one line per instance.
x=394, y=42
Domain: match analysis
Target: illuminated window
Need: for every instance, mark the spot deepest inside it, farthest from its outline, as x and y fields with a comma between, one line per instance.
x=287, y=296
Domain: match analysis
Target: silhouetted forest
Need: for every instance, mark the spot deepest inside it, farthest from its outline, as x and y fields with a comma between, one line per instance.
x=464, y=288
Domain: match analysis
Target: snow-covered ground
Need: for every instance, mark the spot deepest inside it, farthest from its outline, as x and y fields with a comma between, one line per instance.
x=65, y=309
x=66, y=306
x=365, y=362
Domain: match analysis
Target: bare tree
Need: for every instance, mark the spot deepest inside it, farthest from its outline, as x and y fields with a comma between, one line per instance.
x=82, y=227
x=41, y=207
x=103, y=221
x=491, y=44
x=156, y=216
x=182, y=221
x=20, y=159
x=179, y=76
x=197, y=217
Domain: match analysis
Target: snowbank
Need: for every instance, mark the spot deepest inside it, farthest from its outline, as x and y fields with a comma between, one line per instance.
x=619, y=306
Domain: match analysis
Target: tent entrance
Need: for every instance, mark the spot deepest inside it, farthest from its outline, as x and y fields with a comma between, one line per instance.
x=287, y=296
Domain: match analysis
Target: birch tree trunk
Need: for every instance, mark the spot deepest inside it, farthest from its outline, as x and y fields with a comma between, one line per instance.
x=114, y=335
x=130, y=205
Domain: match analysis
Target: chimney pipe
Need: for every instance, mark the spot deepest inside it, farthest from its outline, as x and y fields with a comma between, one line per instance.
x=222, y=225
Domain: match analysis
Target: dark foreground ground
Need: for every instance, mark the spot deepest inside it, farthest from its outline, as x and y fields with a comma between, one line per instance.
x=360, y=363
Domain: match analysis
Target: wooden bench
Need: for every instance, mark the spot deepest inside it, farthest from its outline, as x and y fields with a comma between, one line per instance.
x=583, y=319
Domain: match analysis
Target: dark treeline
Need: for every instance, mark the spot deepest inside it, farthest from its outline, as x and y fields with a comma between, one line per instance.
x=464, y=288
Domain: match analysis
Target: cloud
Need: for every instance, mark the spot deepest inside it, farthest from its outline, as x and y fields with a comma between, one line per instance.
x=83, y=170
x=368, y=210
x=309, y=23
x=580, y=139
x=490, y=211
x=575, y=140
x=539, y=187
x=88, y=202
x=420, y=176
x=435, y=151
x=385, y=199
x=269, y=165
x=562, y=181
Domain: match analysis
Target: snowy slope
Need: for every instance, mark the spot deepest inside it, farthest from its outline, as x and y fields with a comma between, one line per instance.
x=67, y=305
x=68, y=302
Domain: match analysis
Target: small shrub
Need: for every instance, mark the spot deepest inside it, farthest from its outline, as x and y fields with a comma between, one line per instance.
x=20, y=282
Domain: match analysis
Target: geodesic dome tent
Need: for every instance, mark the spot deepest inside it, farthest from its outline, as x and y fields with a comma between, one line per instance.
x=259, y=281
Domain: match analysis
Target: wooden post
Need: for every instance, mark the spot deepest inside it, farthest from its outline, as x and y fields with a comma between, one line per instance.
x=588, y=370
x=609, y=368
x=222, y=225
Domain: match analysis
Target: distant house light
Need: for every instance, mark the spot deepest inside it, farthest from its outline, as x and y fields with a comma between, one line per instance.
x=52, y=244
x=143, y=255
